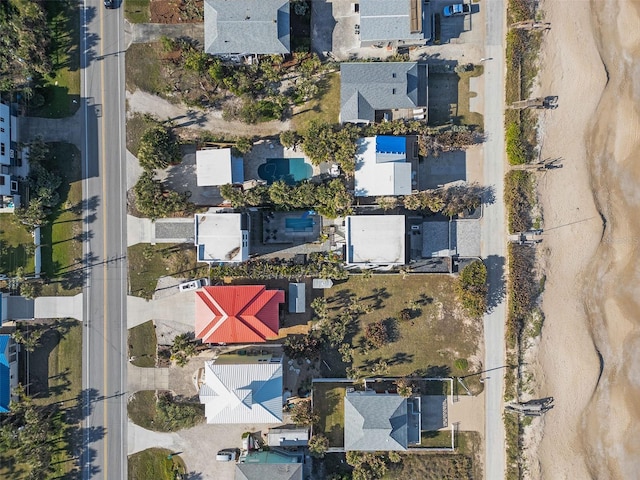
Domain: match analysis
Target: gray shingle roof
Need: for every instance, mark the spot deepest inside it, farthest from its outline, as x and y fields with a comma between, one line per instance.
x=369, y=86
x=384, y=20
x=375, y=422
x=246, y=26
x=268, y=471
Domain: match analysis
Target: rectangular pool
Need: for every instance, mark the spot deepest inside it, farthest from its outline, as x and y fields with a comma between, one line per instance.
x=299, y=224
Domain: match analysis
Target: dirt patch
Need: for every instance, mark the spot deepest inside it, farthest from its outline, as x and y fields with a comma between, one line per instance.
x=176, y=11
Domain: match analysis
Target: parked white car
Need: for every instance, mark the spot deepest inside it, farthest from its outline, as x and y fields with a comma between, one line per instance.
x=193, y=284
x=225, y=456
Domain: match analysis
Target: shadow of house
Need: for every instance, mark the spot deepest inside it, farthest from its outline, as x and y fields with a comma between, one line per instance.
x=448, y=167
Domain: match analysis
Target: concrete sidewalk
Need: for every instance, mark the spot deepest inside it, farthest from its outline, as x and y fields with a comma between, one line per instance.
x=59, y=307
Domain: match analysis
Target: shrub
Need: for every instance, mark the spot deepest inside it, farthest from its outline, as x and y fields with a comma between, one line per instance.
x=172, y=415
x=318, y=446
x=461, y=364
x=472, y=288
x=289, y=138
x=302, y=415
x=515, y=148
x=405, y=388
x=158, y=148
x=518, y=198
x=302, y=346
x=376, y=334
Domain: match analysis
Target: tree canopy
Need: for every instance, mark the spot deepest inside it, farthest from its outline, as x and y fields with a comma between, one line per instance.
x=24, y=43
x=158, y=148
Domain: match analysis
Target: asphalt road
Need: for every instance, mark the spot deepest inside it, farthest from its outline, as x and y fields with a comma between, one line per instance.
x=104, y=453
x=494, y=237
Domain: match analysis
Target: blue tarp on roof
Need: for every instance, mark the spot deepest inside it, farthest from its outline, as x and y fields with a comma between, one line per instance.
x=5, y=375
x=388, y=144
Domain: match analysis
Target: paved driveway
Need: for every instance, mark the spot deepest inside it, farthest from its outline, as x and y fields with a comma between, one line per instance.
x=197, y=446
x=58, y=307
x=179, y=309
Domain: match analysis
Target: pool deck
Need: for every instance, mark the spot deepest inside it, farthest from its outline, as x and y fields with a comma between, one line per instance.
x=265, y=149
x=275, y=231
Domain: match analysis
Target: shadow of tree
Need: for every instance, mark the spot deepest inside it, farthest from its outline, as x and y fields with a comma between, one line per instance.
x=495, y=280
x=391, y=326
x=400, y=358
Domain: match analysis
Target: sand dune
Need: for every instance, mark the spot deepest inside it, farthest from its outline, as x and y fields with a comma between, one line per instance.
x=591, y=300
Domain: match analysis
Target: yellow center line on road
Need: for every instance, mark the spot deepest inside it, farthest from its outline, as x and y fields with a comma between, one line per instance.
x=104, y=251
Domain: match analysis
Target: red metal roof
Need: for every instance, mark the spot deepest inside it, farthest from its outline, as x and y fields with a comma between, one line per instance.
x=237, y=314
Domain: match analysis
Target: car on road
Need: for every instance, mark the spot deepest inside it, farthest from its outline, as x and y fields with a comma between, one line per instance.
x=110, y=3
x=456, y=9
x=193, y=284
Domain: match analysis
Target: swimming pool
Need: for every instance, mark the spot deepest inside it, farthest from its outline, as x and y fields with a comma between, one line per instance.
x=290, y=170
x=298, y=224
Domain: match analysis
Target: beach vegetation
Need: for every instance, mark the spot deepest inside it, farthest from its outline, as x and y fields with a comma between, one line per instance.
x=471, y=288
x=519, y=200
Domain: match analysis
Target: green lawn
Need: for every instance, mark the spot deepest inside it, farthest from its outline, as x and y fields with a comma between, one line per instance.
x=15, y=246
x=137, y=11
x=142, y=408
x=143, y=344
x=325, y=108
x=428, y=344
x=61, y=239
x=165, y=259
x=61, y=89
x=435, y=439
x=143, y=69
x=57, y=373
x=328, y=403
x=155, y=463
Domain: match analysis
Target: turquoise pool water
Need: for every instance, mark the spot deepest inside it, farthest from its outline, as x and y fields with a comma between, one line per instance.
x=289, y=170
x=298, y=224
x=271, y=457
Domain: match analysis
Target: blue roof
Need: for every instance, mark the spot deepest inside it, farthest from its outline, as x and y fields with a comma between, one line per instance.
x=388, y=144
x=5, y=375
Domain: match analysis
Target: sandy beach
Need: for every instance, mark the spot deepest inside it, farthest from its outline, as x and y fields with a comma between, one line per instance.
x=591, y=299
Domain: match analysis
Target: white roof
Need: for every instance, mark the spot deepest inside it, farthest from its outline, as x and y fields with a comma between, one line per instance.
x=214, y=167
x=379, y=174
x=243, y=393
x=219, y=238
x=375, y=239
